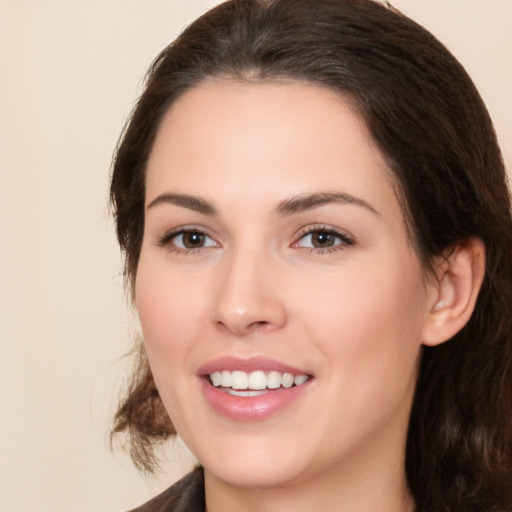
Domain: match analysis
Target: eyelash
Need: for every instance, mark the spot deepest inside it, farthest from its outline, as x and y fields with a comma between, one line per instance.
x=344, y=240
x=166, y=240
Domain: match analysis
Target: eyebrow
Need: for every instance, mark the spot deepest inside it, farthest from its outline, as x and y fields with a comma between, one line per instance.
x=309, y=201
x=194, y=203
x=287, y=207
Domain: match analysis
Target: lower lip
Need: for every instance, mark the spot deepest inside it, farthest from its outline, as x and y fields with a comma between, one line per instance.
x=251, y=408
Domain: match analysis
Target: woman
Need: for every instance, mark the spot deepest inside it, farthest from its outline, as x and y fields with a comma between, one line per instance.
x=316, y=224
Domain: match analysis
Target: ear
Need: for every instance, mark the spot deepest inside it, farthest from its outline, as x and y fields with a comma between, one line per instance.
x=458, y=278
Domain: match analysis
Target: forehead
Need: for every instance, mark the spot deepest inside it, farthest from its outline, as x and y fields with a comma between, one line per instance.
x=278, y=139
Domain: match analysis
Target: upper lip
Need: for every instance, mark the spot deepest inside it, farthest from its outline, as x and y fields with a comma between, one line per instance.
x=250, y=364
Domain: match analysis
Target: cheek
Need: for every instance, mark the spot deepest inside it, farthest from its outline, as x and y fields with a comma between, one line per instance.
x=369, y=331
x=169, y=311
x=368, y=320
x=170, y=317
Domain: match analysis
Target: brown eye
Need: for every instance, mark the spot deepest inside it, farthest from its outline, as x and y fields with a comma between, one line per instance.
x=189, y=240
x=192, y=239
x=322, y=239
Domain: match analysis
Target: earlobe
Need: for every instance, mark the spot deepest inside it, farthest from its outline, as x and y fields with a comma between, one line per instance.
x=458, y=279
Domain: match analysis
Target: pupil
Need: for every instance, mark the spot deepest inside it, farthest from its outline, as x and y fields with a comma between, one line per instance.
x=191, y=240
x=322, y=239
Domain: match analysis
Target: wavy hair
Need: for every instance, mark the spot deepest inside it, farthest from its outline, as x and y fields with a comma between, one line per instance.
x=432, y=127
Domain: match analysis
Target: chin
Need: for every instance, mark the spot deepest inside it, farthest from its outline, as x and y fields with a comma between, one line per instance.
x=244, y=473
x=250, y=460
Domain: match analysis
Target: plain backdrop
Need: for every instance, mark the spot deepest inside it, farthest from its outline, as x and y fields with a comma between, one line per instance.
x=70, y=72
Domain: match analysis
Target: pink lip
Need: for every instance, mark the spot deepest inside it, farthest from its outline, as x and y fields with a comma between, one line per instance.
x=252, y=408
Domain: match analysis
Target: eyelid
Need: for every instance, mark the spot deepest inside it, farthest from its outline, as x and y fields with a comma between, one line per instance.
x=345, y=238
x=166, y=239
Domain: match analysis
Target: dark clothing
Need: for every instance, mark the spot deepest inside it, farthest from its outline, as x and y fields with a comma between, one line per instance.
x=186, y=495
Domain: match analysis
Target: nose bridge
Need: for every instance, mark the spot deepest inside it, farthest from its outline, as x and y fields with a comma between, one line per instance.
x=248, y=297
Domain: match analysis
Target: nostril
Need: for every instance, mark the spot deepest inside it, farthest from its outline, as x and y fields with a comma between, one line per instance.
x=261, y=324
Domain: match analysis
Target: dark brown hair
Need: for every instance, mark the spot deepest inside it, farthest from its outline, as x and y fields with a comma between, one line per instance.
x=432, y=127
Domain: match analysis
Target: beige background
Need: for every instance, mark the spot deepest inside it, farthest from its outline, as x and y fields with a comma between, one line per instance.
x=69, y=74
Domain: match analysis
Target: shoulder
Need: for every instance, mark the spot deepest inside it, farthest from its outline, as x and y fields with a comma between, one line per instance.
x=186, y=495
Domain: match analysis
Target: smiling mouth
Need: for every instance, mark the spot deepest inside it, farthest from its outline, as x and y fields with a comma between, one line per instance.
x=256, y=383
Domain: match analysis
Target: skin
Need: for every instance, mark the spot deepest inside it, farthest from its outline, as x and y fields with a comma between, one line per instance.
x=352, y=315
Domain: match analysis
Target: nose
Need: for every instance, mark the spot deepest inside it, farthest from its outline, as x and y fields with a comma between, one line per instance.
x=250, y=295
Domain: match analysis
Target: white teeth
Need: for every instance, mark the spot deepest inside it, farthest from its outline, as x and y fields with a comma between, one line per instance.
x=239, y=380
x=235, y=392
x=216, y=378
x=274, y=380
x=287, y=380
x=300, y=379
x=226, y=379
x=256, y=382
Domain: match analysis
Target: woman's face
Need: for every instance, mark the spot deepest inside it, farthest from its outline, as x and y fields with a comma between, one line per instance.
x=275, y=256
